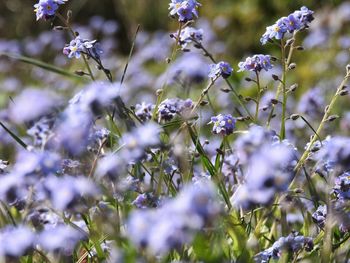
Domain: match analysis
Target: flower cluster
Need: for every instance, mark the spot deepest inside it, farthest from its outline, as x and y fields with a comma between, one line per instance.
x=276, y=161
x=292, y=243
x=144, y=110
x=169, y=108
x=222, y=68
x=223, y=124
x=256, y=63
x=173, y=224
x=186, y=10
x=46, y=9
x=296, y=21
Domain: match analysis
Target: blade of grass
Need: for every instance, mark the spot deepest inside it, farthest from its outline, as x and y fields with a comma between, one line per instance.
x=42, y=65
x=130, y=54
x=14, y=136
x=209, y=166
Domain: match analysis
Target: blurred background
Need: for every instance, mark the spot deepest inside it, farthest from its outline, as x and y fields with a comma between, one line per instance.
x=232, y=30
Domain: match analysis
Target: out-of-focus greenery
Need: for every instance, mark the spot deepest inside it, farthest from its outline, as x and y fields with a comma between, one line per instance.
x=247, y=18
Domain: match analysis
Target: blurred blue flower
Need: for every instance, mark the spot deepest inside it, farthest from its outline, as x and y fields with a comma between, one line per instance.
x=337, y=151
x=32, y=104
x=174, y=224
x=144, y=111
x=169, y=108
x=16, y=241
x=60, y=239
x=342, y=186
x=319, y=216
x=291, y=243
x=67, y=192
x=136, y=142
x=188, y=35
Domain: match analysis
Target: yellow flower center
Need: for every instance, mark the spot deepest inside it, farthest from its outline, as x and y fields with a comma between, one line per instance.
x=48, y=7
x=277, y=28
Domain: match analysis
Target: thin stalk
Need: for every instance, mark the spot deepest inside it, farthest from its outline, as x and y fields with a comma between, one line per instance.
x=284, y=91
x=204, y=92
x=130, y=54
x=65, y=22
x=279, y=88
x=211, y=57
x=258, y=96
x=323, y=122
x=173, y=54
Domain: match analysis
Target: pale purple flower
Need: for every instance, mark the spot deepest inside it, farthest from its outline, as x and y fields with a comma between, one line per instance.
x=32, y=104
x=67, y=192
x=16, y=241
x=60, y=239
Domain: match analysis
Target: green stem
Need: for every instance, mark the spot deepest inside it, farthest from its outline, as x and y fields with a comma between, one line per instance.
x=204, y=92
x=211, y=57
x=258, y=96
x=323, y=122
x=290, y=54
x=65, y=22
x=283, y=82
x=173, y=54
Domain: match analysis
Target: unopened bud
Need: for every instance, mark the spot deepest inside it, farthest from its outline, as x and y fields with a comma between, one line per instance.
x=332, y=118
x=275, y=77
x=292, y=66
x=294, y=116
x=159, y=92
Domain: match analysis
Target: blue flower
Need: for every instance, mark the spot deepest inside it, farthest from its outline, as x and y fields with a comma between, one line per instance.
x=184, y=9
x=319, y=216
x=278, y=30
x=291, y=243
x=223, y=124
x=46, y=9
x=144, y=111
x=256, y=63
x=78, y=46
x=292, y=23
x=296, y=21
x=169, y=108
x=342, y=187
x=221, y=69
x=74, y=48
x=305, y=16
